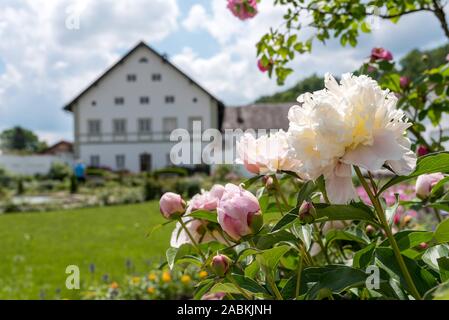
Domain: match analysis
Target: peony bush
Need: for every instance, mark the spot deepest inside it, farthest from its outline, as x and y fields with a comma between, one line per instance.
x=321, y=219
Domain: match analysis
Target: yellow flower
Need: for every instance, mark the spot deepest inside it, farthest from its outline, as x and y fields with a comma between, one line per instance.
x=114, y=285
x=185, y=279
x=135, y=280
x=203, y=274
x=166, y=277
x=152, y=277
x=151, y=290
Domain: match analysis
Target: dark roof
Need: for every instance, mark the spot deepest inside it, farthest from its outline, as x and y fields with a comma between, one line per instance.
x=141, y=44
x=54, y=147
x=258, y=116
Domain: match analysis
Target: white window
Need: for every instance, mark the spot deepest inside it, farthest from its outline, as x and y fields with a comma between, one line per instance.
x=119, y=126
x=143, y=60
x=156, y=77
x=144, y=100
x=144, y=125
x=169, y=124
x=120, y=161
x=170, y=99
x=119, y=101
x=131, y=77
x=192, y=120
x=94, y=127
x=95, y=161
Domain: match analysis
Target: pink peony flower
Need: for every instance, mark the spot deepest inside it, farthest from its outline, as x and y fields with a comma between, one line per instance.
x=243, y=9
x=381, y=54
x=404, y=82
x=171, y=205
x=425, y=183
x=207, y=200
x=239, y=212
x=422, y=151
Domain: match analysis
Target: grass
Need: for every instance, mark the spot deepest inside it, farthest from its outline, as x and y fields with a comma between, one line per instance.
x=36, y=248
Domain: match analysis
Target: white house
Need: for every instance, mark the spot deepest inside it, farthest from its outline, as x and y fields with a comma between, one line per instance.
x=123, y=120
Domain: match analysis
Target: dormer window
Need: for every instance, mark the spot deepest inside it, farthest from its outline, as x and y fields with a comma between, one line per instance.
x=156, y=77
x=170, y=99
x=143, y=60
x=131, y=78
x=144, y=100
x=119, y=101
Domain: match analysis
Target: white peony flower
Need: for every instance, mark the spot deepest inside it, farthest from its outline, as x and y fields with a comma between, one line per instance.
x=351, y=123
x=267, y=154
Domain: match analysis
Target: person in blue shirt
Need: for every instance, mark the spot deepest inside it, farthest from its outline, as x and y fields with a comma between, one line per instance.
x=80, y=171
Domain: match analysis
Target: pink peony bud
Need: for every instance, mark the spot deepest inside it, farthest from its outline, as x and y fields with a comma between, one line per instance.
x=171, y=205
x=243, y=9
x=381, y=54
x=268, y=181
x=307, y=212
x=404, y=82
x=422, y=151
x=239, y=212
x=423, y=245
x=220, y=265
x=425, y=183
x=397, y=219
x=370, y=230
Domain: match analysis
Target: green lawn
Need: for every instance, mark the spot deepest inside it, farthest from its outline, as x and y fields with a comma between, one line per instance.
x=36, y=248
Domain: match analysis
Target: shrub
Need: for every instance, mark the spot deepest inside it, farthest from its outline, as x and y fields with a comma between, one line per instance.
x=59, y=171
x=152, y=189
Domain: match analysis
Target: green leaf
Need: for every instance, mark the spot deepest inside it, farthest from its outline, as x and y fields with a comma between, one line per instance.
x=432, y=255
x=356, y=236
x=203, y=288
x=270, y=258
x=422, y=278
x=443, y=265
x=252, y=270
x=267, y=241
x=303, y=232
x=252, y=180
x=249, y=284
x=409, y=239
x=442, y=232
x=338, y=279
x=363, y=257
x=431, y=163
x=355, y=211
x=204, y=215
x=288, y=218
x=305, y=192
x=174, y=254
x=225, y=287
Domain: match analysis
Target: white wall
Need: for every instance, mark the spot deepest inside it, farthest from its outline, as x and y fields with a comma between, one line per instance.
x=116, y=85
x=31, y=164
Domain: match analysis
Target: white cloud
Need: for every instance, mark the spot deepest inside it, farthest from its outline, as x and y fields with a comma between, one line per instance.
x=48, y=63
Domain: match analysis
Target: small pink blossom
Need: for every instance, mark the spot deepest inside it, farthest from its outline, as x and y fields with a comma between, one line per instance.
x=207, y=200
x=422, y=151
x=243, y=9
x=404, y=82
x=239, y=212
x=214, y=296
x=263, y=68
x=381, y=54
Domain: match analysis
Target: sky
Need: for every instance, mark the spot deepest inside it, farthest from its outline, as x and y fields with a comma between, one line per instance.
x=51, y=50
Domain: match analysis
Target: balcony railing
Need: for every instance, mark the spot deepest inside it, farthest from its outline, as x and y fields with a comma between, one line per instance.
x=133, y=137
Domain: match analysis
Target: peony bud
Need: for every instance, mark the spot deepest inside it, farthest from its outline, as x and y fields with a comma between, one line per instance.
x=425, y=183
x=220, y=265
x=404, y=82
x=381, y=54
x=268, y=181
x=369, y=230
x=171, y=205
x=239, y=212
x=422, y=151
x=423, y=245
x=243, y=9
x=307, y=212
x=263, y=68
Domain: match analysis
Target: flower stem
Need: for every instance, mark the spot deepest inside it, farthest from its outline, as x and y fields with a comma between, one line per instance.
x=390, y=236
x=279, y=191
x=194, y=243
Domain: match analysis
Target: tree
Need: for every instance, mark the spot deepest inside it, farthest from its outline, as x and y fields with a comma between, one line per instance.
x=343, y=20
x=21, y=139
